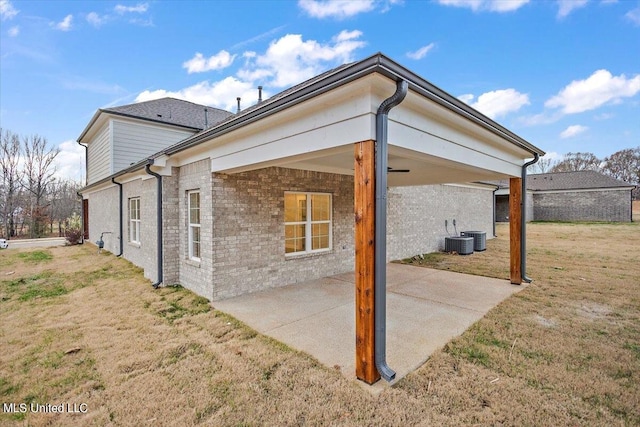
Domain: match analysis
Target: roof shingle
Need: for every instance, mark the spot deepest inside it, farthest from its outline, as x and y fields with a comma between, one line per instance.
x=577, y=180
x=174, y=112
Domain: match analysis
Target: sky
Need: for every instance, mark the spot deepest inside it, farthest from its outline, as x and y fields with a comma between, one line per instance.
x=564, y=75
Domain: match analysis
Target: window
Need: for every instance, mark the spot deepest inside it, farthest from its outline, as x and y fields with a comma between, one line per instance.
x=307, y=222
x=134, y=220
x=194, y=225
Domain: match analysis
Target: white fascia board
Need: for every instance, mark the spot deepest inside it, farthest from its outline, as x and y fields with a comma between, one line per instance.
x=423, y=126
x=99, y=187
x=287, y=149
x=340, y=117
x=449, y=149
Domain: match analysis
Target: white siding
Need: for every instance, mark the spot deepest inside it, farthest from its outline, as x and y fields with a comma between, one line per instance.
x=135, y=141
x=99, y=156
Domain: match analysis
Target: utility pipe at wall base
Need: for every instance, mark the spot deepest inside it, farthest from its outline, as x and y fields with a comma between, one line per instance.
x=147, y=168
x=523, y=229
x=119, y=214
x=380, y=271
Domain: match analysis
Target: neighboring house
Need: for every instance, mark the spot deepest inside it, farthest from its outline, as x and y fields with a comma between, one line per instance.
x=571, y=196
x=226, y=204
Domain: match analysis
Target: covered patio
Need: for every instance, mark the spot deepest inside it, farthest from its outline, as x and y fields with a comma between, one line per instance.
x=426, y=308
x=371, y=119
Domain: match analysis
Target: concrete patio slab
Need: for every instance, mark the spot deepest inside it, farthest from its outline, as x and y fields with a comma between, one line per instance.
x=426, y=308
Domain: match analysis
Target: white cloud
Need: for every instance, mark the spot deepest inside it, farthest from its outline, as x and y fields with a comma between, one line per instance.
x=199, y=63
x=598, y=89
x=565, y=7
x=13, y=31
x=287, y=61
x=221, y=94
x=572, y=131
x=422, y=52
x=634, y=15
x=335, y=8
x=65, y=24
x=94, y=19
x=497, y=103
x=139, y=8
x=489, y=5
x=69, y=162
x=604, y=116
x=7, y=11
x=290, y=60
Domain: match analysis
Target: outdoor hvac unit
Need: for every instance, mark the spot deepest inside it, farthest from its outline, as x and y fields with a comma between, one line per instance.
x=479, y=239
x=461, y=245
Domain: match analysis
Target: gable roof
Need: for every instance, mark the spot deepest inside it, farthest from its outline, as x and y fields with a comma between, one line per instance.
x=377, y=63
x=328, y=81
x=577, y=180
x=172, y=111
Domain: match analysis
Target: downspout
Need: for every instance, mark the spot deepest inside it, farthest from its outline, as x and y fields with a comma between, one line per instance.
x=147, y=168
x=119, y=213
x=86, y=162
x=523, y=229
x=81, y=214
x=380, y=273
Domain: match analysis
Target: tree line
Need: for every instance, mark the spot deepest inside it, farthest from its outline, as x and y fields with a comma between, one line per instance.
x=33, y=201
x=623, y=165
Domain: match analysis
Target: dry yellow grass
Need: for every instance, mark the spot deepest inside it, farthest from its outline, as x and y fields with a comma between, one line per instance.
x=77, y=327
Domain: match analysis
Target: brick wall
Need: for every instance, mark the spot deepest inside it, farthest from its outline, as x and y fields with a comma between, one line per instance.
x=194, y=275
x=600, y=205
x=171, y=232
x=103, y=216
x=416, y=216
x=144, y=253
x=248, y=230
x=242, y=228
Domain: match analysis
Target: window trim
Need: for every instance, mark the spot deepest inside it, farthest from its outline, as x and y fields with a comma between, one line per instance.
x=134, y=223
x=191, y=226
x=308, y=223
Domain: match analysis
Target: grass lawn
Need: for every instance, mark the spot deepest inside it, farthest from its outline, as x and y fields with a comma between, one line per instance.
x=88, y=331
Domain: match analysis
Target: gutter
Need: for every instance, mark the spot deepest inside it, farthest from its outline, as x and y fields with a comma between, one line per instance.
x=380, y=272
x=523, y=229
x=147, y=168
x=119, y=214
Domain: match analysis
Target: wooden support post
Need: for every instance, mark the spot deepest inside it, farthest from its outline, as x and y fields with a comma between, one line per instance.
x=515, y=229
x=365, y=210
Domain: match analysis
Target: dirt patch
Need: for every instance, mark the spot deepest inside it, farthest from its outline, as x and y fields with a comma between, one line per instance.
x=564, y=351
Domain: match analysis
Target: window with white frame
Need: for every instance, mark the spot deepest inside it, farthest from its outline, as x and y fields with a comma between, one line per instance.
x=194, y=224
x=134, y=220
x=307, y=222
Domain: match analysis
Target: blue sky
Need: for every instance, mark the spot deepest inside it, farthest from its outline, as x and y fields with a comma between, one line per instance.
x=565, y=75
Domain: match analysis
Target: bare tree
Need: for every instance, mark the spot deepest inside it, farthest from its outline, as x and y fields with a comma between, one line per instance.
x=624, y=165
x=63, y=201
x=544, y=165
x=577, y=162
x=11, y=176
x=38, y=177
